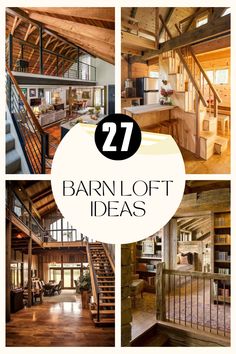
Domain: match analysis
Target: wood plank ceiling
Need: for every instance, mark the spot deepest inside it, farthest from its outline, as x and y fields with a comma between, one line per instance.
x=139, y=29
x=92, y=29
x=39, y=193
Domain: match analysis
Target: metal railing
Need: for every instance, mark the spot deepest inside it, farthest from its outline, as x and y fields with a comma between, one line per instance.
x=33, y=140
x=56, y=64
x=193, y=299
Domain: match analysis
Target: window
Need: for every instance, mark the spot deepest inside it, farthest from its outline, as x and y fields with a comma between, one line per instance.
x=202, y=21
x=210, y=74
x=227, y=12
x=221, y=76
x=154, y=74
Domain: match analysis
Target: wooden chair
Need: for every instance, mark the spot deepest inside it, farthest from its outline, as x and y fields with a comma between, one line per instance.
x=57, y=288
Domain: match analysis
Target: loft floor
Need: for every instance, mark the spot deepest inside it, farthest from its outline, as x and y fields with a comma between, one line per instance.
x=59, y=322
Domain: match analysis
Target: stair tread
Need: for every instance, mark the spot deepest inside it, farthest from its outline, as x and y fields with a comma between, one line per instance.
x=103, y=312
x=108, y=304
x=13, y=161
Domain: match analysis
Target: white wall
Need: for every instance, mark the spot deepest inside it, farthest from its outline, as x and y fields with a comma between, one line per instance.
x=105, y=74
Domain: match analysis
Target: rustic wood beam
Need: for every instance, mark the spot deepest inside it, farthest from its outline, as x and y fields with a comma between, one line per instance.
x=94, y=13
x=157, y=27
x=84, y=40
x=132, y=40
x=8, y=252
x=203, y=33
x=104, y=34
x=104, y=51
x=217, y=12
x=167, y=19
x=207, y=201
x=16, y=23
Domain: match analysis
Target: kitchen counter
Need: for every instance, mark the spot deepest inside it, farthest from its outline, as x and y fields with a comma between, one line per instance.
x=156, y=107
x=149, y=116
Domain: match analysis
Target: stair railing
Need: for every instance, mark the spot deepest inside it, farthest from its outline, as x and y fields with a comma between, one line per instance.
x=33, y=139
x=186, y=65
x=94, y=282
x=204, y=81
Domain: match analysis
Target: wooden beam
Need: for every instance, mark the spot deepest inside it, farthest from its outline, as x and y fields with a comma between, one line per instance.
x=127, y=50
x=207, y=201
x=8, y=253
x=203, y=33
x=217, y=12
x=167, y=19
x=157, y=27
x=132, y=40
x=101, y=46
x=103, y=34
x=93, y=13
x=105, y=51
x=16, y=23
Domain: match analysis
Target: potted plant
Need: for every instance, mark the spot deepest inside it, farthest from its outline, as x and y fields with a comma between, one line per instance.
x=91, y=112
x=166, y=92
x=84, y=287
x=97, y=111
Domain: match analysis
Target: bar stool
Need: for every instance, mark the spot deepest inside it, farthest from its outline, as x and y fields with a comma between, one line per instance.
x=223, y=123
x=172, y=128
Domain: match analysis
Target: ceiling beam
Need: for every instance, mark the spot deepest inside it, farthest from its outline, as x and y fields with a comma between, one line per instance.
x=220, y=27
x=102, y=50
x=167, y=19
x=93, y=13
x=103, y=34
x=134, y=41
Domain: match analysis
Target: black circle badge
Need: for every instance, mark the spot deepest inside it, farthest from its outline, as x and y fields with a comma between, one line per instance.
x=118, y=136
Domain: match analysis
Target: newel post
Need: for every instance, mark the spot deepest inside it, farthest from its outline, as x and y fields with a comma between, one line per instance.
x=160, y=292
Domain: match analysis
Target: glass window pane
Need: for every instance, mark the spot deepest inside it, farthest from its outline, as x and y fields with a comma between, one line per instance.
x=210, y=74
x=202, y=21
x=221, y=76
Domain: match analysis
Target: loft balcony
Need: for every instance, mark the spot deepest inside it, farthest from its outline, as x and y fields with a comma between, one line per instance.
x=30, y=62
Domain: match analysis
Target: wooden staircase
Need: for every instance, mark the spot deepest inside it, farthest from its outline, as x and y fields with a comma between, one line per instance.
x=195, y=94
x=103, y=285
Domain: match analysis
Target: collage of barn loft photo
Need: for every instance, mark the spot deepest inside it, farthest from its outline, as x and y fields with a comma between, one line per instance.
x=62, y=287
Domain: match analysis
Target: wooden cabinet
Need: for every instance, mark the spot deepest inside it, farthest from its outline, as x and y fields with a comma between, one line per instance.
x=148, y=253
x=222, y=254
x=16, y=300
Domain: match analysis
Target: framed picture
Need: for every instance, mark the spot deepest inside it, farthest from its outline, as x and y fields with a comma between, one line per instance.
x=24, y=91
x=148, y=247
x=32, y=92
x=40, y=93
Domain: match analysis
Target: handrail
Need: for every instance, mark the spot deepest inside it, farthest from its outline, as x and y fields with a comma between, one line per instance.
x=26, y=104
x=95, y=288
x=205, y=76
x=178, y=51
x=216, y=276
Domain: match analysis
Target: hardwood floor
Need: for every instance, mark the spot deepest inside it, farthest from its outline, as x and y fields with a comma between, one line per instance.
x=57, y=324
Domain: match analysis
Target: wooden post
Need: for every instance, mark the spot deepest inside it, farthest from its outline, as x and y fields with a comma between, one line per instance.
x=215, y=107
x=160, y=293
x=30, y=258
x=70, y=101
x=10, y=53
x=78, y=52
x=157, y=27
x=41, y=49
x=198, y=128
x=62, y=274
x=8, y=255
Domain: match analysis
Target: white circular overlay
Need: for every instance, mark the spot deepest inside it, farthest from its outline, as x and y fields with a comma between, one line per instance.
x=117, y=201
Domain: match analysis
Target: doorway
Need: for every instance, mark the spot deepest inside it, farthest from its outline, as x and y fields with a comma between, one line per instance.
x=68, y=274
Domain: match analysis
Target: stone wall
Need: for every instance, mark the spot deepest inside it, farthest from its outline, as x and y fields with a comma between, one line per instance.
x=126, y=314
